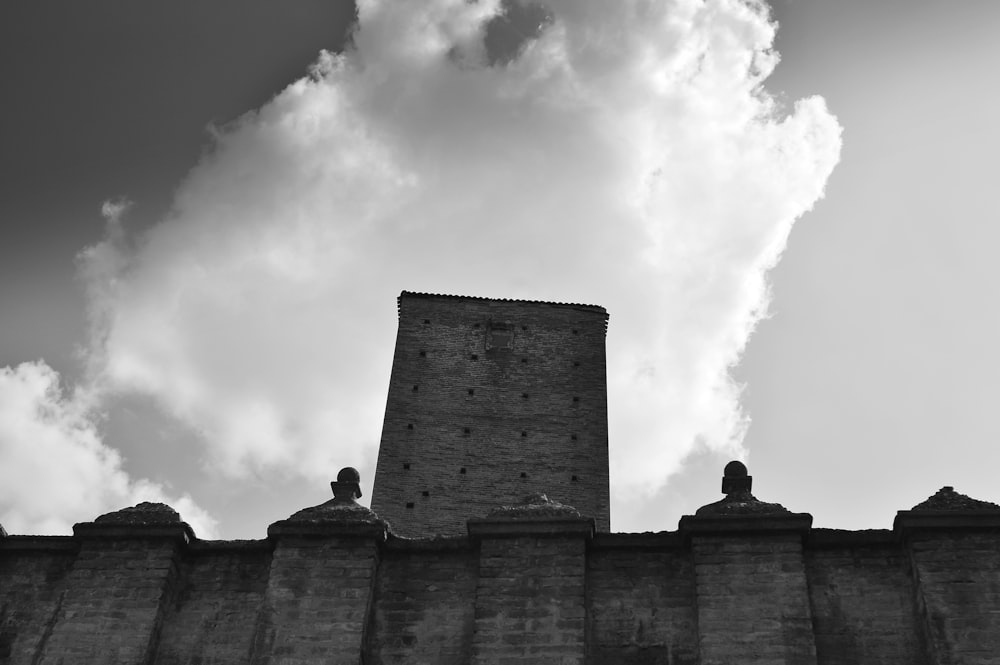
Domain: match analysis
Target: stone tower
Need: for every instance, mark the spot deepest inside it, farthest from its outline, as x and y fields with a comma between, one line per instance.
x=490, y=401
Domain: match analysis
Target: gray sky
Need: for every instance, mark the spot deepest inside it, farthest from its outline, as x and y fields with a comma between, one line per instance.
x=868, y=387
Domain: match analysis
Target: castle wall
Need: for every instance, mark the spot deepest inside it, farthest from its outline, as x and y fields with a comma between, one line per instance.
x=32, y=585
x=213, y=614
x=425, y=603
x=862, y=599
x=641, y=605
x=540, y=590
x=490, y=401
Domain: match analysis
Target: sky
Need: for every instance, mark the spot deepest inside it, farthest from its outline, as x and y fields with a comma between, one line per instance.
x=206, y=224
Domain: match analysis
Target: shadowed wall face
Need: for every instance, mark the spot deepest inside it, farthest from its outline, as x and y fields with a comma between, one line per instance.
x=490, y=401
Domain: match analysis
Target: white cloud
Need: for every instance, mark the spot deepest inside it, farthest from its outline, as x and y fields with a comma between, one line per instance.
x=54, y=468
x=628, y=157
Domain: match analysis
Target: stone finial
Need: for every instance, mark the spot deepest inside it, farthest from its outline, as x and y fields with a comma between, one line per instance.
x=735, y=478
x=736, y=484
x=342, y=511
x=347, y=487
x=947, y=498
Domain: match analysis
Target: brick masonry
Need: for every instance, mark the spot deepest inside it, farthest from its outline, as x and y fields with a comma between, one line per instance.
x=490, y=401
x=515, y=579
x=511, y=592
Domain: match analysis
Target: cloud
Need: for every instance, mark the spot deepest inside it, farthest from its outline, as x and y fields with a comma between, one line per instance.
x=627, y=156
x=54, y=468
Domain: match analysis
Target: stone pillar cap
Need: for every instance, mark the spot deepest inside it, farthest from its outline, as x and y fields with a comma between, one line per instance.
x=736, y=484
x=742, y=511
x=341, y=515
x=145, y=520
x=948, y=509
x=536, y=514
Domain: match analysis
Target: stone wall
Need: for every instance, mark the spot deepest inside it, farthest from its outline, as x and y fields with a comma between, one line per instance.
x=740, y=581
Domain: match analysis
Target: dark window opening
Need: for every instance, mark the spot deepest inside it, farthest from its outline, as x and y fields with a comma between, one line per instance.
x=409, y=505
x=466, y=431
x=474, y=357
x=426, y=493
x=416, y=388
x=573, y=437
x=524, y=395
x=574, y=479
x=524, y=434
x=524, y=360
x=524, y=327
x=462, y=470
x=471, y=391
x=576, y=399
x=409, y=426
x=426, y=321
x=576, y=332
x=423, y=354
x=406, y=466
x=576, y=363
x=524, y=475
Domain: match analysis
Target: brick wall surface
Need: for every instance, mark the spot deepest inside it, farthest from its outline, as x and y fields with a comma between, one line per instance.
x=861, y=592
x=753, y=602
x=31, y=591
x=924, y=597
x=317, y=601
x=641, y=606
x=530, y=601
x=474, y=421
x=425, y=604
x=112, y=602
x=958, y=594
x=212, y=616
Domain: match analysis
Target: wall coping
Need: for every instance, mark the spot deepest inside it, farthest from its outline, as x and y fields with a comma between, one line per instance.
x=179, y=531
x=27, y=543
x=376, y=531
x=842, y=538
x=538, y=527
x=431, y=544
x=764, y=524
x=908, y=521
x=653, y=540
x=211, y=546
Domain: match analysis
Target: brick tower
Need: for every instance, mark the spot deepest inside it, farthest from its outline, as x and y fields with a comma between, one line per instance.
x=490, y=401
